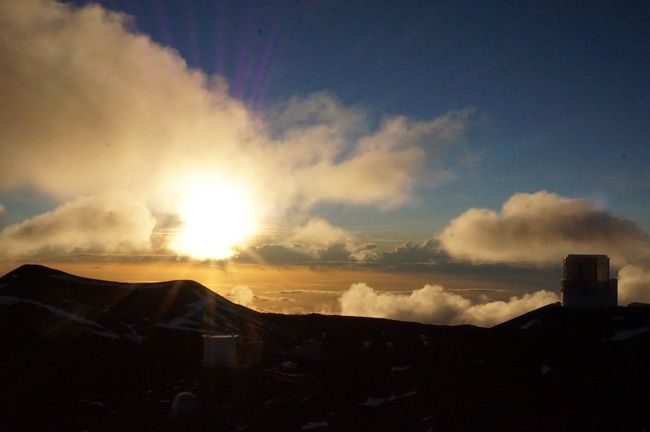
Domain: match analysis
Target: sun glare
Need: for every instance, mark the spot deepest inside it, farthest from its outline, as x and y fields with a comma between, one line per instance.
x=215, y=219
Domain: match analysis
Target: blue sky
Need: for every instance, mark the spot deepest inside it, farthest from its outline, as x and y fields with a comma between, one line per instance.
x=560, y=90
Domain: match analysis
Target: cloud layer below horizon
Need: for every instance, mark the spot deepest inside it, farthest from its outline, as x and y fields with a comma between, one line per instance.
x=432, y=304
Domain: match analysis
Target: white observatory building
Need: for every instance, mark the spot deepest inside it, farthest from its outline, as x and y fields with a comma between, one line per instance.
x=586, y=283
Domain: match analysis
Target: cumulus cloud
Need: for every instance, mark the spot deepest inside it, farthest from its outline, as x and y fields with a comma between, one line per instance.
x=540, y=228
x=325, y=242
x=381, y=166
x=432, y=304
x=91, y=107
x=319, y=232
x=114, y=223
x=633, y=285
x=315, y=242
x=241, y=294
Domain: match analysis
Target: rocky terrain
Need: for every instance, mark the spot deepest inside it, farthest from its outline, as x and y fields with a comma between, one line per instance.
x=82, y=354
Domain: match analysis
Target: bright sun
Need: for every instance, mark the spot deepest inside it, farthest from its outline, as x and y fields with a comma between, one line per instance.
x=215, y=219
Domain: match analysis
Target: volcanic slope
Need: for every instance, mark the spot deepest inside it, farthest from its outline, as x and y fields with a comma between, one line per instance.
x=81, y=354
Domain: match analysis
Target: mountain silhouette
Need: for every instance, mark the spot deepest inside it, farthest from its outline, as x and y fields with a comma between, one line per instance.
x=85, y=354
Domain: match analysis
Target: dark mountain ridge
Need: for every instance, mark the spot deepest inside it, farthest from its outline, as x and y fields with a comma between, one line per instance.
x=84, y=354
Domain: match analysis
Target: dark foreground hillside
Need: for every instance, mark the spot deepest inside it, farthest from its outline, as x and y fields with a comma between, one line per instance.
x=81, y=354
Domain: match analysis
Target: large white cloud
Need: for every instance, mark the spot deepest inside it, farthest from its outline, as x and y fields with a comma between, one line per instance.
x=432, y=304
x=107, y=224
x=541, y=228
x=90, y=107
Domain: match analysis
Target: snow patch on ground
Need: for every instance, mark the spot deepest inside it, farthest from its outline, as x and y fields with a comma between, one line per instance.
x=195, y=313
x=198, y=313
x=400, y=368
x=270, y=401
x=529, y=324
x=315, y=425
x=97, y=329
x=11, y=300
x=132, y=335
x=107, y=333
x=629, y=333
x=288, y=364
x=375, y=402
x=402, y=396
